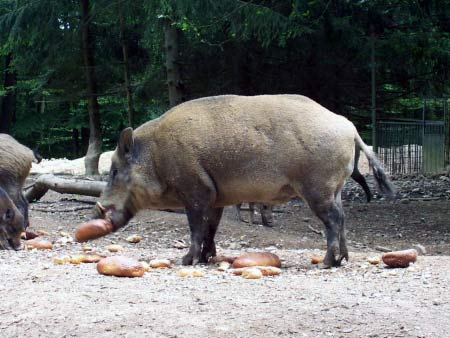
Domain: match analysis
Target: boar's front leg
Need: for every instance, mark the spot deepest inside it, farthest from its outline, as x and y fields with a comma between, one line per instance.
x=198, y=195
x=209, y=246
x=203, y=223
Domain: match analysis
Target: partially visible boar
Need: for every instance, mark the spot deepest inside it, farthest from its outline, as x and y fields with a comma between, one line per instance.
x=11, y=223
x=208, y=153
x=265, y=211
x=15, y=165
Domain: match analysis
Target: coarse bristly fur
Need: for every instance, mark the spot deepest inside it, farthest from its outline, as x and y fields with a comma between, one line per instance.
x=217, y=151
x=15, y=164
x=11, y=223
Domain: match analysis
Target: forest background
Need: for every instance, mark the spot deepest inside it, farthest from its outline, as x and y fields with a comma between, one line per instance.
x=76, y=72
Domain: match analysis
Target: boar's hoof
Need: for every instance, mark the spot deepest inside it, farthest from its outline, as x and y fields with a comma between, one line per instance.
x=207, y=254
x=330, y=261
x=342, y=257
x=189, y=260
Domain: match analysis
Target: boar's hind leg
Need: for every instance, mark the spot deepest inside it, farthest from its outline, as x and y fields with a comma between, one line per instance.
x=331, y=214
x=203, y=224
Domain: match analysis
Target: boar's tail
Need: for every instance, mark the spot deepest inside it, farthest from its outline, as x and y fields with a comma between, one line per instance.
x=383, y=182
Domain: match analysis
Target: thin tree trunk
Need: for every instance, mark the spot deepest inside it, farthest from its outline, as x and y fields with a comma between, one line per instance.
x=75, y=142
x=174, y=81
x=126, y=72
x=84, y=140
x=9, y=100
x=95, y=139
x=373, y=87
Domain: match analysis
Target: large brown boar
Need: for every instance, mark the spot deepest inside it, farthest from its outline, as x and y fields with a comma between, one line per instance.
x=11, y=223
x=15, y=165
x=212, y=152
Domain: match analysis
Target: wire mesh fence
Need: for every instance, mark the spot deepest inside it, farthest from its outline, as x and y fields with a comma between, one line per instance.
x=411, y=147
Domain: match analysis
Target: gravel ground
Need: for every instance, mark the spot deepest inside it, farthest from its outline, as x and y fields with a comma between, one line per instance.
x=41, y=299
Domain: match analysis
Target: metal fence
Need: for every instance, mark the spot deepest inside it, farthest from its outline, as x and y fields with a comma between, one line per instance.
x=412, y=147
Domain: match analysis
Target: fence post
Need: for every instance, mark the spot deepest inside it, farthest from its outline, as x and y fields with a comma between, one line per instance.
x=424, y=107
x=446, y=134
x=373, y=108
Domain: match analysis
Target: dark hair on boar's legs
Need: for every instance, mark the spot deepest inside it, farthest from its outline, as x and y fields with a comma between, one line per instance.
x=208, y=153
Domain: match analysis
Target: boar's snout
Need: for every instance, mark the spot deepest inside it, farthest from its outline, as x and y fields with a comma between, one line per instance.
x=15, y=243
x=118, y=218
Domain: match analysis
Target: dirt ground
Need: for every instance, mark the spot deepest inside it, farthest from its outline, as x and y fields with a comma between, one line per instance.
x=41, y=299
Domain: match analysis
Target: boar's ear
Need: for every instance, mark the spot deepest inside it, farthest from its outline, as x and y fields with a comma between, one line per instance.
x=126, y=142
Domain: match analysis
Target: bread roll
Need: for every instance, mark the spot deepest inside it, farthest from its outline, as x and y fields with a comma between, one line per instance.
x=252, y=273
x=38, y=243
x=28, y=235
x=223, y=266
x=316, y=259
x=219, y=259
x=91, y=258
x=269, y=270
x=374, y=260
x=76, y=259
x=257, y=259
x=114, y=248
x=95, y=228
x=146, y=266
x=61, y=260
x=120, y=266
x=400, y=259
x=159, y=263
x=134, y=239
x=265, y=270
x=190, y=273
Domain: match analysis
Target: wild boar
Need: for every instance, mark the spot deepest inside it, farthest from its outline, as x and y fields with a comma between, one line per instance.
x=212, y=152
x=265, y=211
x=15, y=165
x=11, y=223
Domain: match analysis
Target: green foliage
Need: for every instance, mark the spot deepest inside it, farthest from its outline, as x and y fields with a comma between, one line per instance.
x=316, y=48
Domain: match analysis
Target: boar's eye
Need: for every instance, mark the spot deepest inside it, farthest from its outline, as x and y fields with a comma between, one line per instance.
x=8, y=215
x=10, y=229
x=114, y=173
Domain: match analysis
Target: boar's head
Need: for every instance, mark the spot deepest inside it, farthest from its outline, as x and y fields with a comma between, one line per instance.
x=11, y=223
x=116, y=201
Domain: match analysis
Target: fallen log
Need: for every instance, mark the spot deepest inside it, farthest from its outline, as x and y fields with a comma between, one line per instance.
x=83, y=207
x=48, y=182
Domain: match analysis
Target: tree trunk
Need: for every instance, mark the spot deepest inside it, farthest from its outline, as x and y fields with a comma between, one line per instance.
x=84, y=140
x=126, y=72
x=95, y=139
x=9, y=100
x=174, y=81
x=75, y=142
